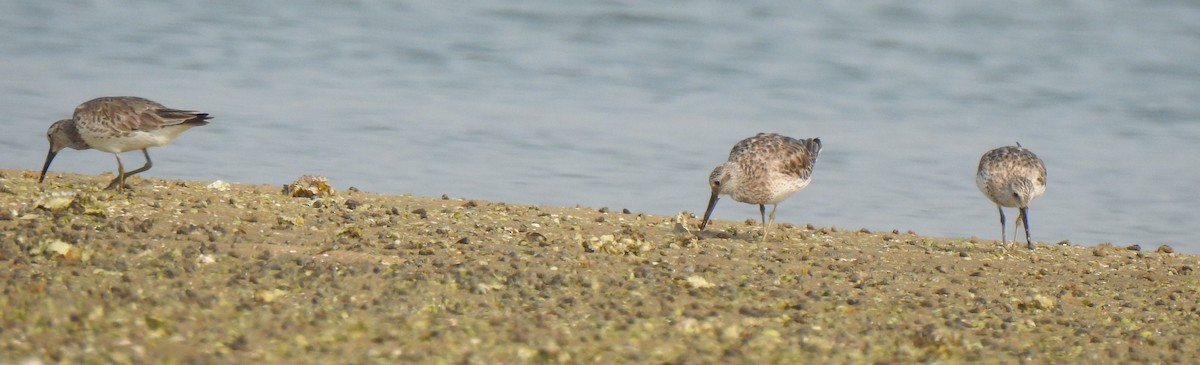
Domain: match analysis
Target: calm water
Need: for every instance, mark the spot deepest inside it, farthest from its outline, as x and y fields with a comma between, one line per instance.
x=630, y=104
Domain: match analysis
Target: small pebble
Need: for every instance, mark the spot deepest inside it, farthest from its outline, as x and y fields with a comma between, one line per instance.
x=421, y=212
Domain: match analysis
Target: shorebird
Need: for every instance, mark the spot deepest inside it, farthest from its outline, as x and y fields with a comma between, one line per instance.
x=1012, y=176
x=764, y=169
x=119, y=124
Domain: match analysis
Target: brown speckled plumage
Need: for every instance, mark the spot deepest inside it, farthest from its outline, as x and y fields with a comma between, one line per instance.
x=119, y=124
x=1012, y=176
x=764, y=169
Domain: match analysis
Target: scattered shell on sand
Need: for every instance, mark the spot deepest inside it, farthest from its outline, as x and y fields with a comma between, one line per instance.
x=218, y=186
x=309, y=186
x=57, y=201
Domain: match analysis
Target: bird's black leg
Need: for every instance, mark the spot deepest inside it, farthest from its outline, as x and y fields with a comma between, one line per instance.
x=1003, y=239
x=762, y=210
x=1025, y=219
x=143, y=168
x=119, y=181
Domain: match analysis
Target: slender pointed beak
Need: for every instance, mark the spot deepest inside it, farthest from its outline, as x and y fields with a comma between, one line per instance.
x=49, y=157
x=712, y=203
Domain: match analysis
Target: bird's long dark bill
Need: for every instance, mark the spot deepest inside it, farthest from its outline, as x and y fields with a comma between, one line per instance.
x=712, y=203
x=49, y=157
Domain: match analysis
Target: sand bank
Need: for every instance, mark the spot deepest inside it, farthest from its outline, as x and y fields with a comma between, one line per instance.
x=174, y=271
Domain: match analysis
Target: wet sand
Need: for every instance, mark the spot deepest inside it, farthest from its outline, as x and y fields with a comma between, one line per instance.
x=174, y=271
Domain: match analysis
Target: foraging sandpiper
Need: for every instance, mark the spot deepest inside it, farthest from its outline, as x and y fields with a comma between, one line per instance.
x=1012, y=176
x=764, y=169
x=119, y=124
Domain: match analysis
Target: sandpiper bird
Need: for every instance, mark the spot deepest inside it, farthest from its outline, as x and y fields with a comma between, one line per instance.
x=1011, y=177
x=764, y=169
x=119, y=124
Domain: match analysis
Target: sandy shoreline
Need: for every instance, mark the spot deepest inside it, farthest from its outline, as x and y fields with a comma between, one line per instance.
x=176, y=271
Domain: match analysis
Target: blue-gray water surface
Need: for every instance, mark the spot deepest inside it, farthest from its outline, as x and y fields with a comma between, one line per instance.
x=629, y=104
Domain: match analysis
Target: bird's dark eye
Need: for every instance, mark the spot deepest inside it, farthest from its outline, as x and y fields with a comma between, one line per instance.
x=717, y=183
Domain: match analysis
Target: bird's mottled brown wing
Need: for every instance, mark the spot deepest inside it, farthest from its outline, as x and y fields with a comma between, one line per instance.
x=744, y=145
x=750, y=154
x=1016, y=159
x=1041, y=166
x=800, y=155
x=1027, y=159
x=131, y=113
x=770, y=151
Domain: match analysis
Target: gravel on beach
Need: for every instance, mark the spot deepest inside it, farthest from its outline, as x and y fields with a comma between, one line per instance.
x=175, y=271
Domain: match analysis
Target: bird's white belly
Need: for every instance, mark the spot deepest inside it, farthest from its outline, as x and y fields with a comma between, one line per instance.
x=775, y=191
x=135, y=140
x=785, y=189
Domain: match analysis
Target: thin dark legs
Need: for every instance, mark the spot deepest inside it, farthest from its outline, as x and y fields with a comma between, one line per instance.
x=1025, y=219
x=1022, y=218
x=767, y=220
x=762, y=211
x=119, y=181
x=1003, y=238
